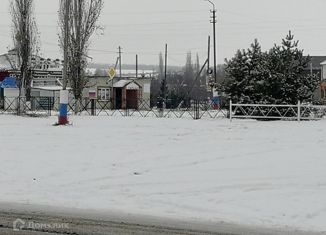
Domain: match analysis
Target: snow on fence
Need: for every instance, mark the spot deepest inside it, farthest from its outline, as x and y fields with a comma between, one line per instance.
x=277, y=112
x=41, y=106
x=135, y=108
x=199, y=109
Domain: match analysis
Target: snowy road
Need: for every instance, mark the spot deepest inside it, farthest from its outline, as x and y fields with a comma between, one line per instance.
x=269, y=174
x=91, y=223
x=78, y=226
x=91, y=227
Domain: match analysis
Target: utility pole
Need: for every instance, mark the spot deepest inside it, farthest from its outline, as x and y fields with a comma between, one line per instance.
x=208, y=54
x=214, y=35
x=209, y=71
x=214, y=21
x=136, y=66
x=165, y=71
x=120, y=66
x=163, y=84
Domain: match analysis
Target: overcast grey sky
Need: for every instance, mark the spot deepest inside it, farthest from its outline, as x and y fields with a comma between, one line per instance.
x=144, y=26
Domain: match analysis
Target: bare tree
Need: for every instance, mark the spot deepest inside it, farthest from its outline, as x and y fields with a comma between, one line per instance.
x=25, y=37
x=189, y=72
x=83, y=17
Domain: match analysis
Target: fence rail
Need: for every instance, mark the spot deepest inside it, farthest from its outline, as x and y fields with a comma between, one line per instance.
x=139, y=107
x=277, y=111
x=195, y=109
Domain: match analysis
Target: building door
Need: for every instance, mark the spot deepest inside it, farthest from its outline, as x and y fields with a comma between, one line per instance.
x=132, y=99
x=118, y=98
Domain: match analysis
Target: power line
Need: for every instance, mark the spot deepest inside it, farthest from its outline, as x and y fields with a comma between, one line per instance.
x=132, y=24
x=125, y=12
x=154, y=12
x=152, y=52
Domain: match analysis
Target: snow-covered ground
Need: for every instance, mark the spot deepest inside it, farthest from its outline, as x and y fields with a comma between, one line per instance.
x=254, y=173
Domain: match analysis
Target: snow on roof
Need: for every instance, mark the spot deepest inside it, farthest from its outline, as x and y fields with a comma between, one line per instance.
x=50, y=88
x=59, y=69
x=121, y=83
x=124, y=83
x=323, y=63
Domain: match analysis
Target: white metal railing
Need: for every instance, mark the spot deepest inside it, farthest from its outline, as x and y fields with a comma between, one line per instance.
x=277, y=111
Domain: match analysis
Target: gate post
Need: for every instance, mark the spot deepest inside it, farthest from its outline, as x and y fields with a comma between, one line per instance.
x=18, y=105
x=49, y=105
x=196, y=107
x=230, y=111
x=93, y=107
x=299, y=111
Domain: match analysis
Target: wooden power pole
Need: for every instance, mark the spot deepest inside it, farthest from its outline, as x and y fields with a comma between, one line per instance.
x=120, y=59
x=136, y=66
x=165, y=72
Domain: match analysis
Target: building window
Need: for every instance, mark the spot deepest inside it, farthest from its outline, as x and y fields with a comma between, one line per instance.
x=103, y=94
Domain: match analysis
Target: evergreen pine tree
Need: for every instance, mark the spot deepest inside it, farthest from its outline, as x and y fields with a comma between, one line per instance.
x=246, y=73
x=237, y=73
x=277, y=76
x=289, y=83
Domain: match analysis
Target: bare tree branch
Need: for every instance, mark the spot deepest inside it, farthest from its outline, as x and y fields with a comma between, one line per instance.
x=25, y=38
x=83, y=18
